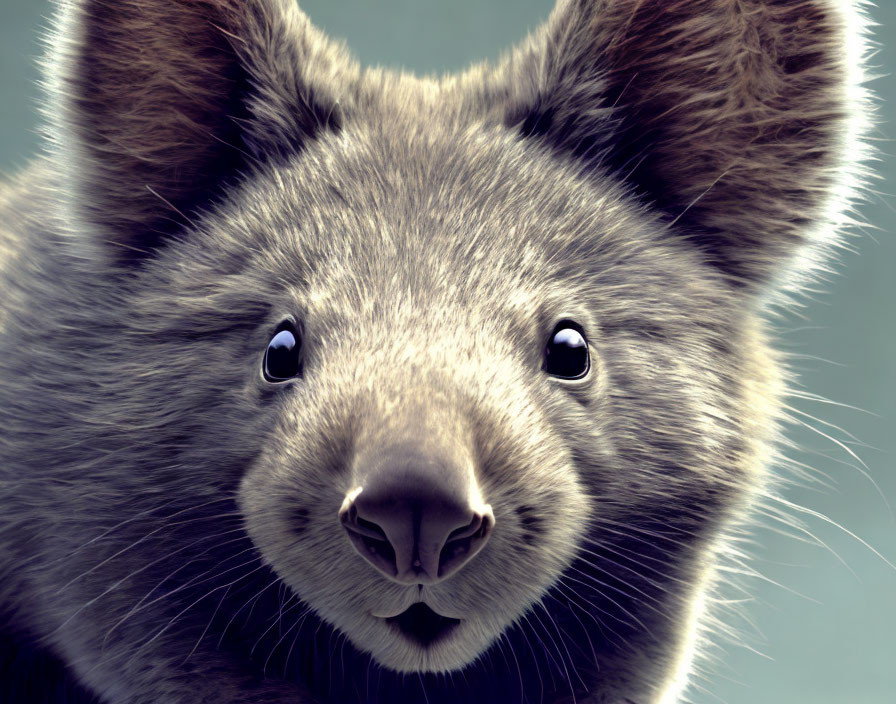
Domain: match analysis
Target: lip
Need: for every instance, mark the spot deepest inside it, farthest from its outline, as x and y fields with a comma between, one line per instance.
x=389, y=615
x=423, y=625
x=400, y=610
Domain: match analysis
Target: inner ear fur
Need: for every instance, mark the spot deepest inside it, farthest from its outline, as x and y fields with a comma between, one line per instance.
x=740, y=120
x=155, y=103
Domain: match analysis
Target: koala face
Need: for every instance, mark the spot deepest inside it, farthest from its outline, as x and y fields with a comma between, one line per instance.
x=462, y=379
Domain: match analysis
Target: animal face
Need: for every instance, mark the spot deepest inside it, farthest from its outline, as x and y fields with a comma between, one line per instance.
x=470, y=363
x=450, y=357
x=420, y=315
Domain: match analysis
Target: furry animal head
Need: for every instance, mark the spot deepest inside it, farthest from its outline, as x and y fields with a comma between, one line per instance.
x=622, y=191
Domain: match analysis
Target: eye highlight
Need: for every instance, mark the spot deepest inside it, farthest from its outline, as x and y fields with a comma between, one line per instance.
x=283, y=356
x=566, y=354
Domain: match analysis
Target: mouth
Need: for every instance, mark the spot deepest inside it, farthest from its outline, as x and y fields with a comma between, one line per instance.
x=422, y=625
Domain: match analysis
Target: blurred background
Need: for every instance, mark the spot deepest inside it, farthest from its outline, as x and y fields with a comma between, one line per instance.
x=820, y=625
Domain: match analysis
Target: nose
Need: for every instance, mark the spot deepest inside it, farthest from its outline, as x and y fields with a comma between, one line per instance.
x=413, y=519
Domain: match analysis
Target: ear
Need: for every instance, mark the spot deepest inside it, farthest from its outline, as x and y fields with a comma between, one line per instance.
x=154, y=104
x=740, y=120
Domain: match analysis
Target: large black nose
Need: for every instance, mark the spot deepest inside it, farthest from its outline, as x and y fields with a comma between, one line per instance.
x=413, y=519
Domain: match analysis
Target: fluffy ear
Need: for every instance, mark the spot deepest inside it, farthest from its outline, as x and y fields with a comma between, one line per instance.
x=154, y=103
x=739, y=119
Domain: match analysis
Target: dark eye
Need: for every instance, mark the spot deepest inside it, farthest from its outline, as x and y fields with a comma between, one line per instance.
x=566, y=354
x=282, y=359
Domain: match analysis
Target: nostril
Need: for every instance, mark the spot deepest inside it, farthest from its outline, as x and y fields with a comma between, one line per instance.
x=370, y=539
x=464, y=542
x=382, y=550
x=352, y=521
x=477, y=526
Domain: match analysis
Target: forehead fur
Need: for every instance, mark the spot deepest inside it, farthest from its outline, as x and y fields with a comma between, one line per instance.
x=433, y=208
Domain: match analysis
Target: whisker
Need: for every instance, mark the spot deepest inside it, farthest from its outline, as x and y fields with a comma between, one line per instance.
x=519, y=672
x=746, y=571
x=635, y=572
x=864, y=470
x=521, y=626
x=137, y=608
x=255, y=597
x=187, y=608
x=620, y=591
x=102, y=535
x=299, y=619
x=278, y=619
x=573, y=597
x=134, y=653
x=119, y=582
x=550, y=656
x=568, y=608
x=140, y=540
x=612, y=601
x=208, y=625
x=572, y=593
x=566, y=650
x=770, y=513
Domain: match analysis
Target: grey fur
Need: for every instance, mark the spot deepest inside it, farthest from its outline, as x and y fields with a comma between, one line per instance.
x=656, y=171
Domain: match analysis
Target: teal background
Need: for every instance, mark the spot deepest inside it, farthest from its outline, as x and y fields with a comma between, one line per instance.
x=836, y=644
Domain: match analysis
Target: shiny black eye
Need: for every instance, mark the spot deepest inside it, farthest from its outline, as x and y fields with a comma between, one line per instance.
x=283, y=357
x=566, y=355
